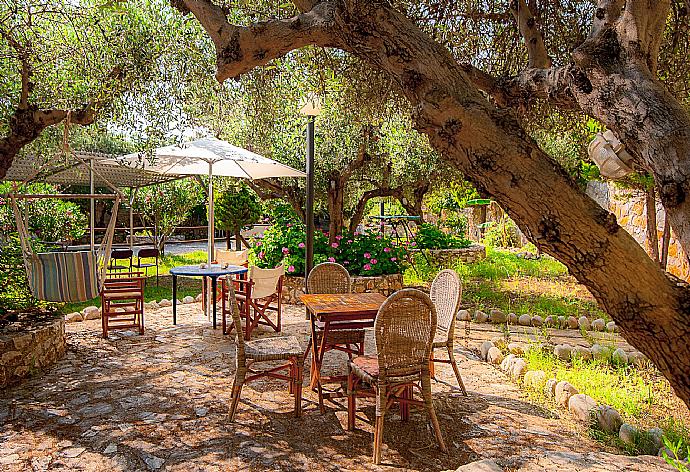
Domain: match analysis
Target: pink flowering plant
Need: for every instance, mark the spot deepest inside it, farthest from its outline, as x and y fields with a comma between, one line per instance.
x=366, y=254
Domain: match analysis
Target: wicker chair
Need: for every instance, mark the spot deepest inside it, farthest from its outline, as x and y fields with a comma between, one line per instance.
x=283, y=348
x=329, y=277
x=446, y=293
x=404, y=329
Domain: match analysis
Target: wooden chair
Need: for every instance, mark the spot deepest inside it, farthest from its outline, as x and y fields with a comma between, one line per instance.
x=265, y=350
x=404, y=329
x=446, y=294
x=329, y=277
x=148, y=253
x=257, y=296
x=122, y=302
x=120, y=255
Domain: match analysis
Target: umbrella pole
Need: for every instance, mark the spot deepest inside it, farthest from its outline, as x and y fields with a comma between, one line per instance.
x=211, y=222
x=211, y=244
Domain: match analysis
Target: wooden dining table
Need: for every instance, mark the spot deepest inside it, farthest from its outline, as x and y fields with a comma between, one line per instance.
x=337, y=312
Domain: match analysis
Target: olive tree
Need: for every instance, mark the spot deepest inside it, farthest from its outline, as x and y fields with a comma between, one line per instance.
x=609, y=73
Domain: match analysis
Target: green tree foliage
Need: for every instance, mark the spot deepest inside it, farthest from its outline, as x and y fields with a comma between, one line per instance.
x=236, y=207
x=166, y=206
x=52, y=220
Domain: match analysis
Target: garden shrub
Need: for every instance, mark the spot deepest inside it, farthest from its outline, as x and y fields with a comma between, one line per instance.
x=367, y=254
x=503, y=234
x=431, y=237
x=14, y=287
x=50, y=219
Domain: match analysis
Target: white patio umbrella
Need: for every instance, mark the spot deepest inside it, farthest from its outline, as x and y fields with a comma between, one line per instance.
x=210, y=156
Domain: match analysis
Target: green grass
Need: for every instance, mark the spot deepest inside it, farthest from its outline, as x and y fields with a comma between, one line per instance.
x=503, y=280
x=152, y=291
x=641, y=395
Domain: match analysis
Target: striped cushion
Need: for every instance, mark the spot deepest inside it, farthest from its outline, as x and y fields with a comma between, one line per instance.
x=64, y=276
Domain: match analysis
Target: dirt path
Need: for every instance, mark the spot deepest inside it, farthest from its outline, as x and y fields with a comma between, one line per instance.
x=159, y=401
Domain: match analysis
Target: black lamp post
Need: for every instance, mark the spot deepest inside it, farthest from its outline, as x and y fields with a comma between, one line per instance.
x=311, y=109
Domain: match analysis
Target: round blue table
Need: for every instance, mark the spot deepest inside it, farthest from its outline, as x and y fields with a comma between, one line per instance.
x=213, y=271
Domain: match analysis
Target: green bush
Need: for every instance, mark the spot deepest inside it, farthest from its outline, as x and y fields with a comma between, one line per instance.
x=367, y=253
x=50, y=219
x=503, y=234
x=14, y=288
x=431, y=237
x=238, y=206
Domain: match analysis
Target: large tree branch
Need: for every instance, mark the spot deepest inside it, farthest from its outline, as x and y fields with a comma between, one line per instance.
x=242, y=48
x=26, y=124
x=534, y=39
x=554, y=85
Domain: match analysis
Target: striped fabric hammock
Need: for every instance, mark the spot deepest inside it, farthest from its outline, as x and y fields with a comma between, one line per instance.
x=70, y=276
x=75, y=276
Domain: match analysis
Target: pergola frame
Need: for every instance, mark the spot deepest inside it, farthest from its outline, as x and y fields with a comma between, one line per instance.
x=102, y=170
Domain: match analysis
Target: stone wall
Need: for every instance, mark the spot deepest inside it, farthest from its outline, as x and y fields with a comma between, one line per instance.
x=631, y=213
x=293, y=286
x=449, y=257
x=24, y=352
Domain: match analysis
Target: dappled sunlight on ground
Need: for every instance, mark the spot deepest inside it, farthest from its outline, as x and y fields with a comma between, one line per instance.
x=160, y=401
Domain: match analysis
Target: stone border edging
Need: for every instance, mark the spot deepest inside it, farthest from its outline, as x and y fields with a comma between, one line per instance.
x=497, y=316
x=582, y=407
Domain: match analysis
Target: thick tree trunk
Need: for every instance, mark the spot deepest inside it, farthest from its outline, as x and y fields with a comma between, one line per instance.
x=336, y=205
x=491, y=148
x=652, y=236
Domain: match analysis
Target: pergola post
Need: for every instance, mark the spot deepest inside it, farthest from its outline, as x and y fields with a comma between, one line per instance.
x=92, y=208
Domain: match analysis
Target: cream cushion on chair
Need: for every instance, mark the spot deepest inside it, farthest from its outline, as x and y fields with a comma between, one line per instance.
x=232, y=257
x=265, y=281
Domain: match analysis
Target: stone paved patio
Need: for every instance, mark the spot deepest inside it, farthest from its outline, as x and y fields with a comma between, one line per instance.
x=159, y=401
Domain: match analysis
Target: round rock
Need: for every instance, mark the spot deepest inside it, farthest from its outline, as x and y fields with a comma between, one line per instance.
x=484, y=349
x=518, y=369
x=619, y=356
x=599, y=352
x=537, y=321
x=494, y=355
x=563, y=351
x=583, y=323
x=572, y=322
x=516, y=348
x=525, y=320
x=598, y=324
x=628, y=433
x=507, y=363
x=464, y=315
x=188, y=299
x=637, y=358
x=550, y=387
x=480, y=316
x=581, y=352
x=582, y=407
x=164, y=303
x=74, y=317
x=512, y=318
x=564, y=390
x=611, y=327
x=535, y=379
x=608, y=419
x=497, y=316
x=550, y=321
